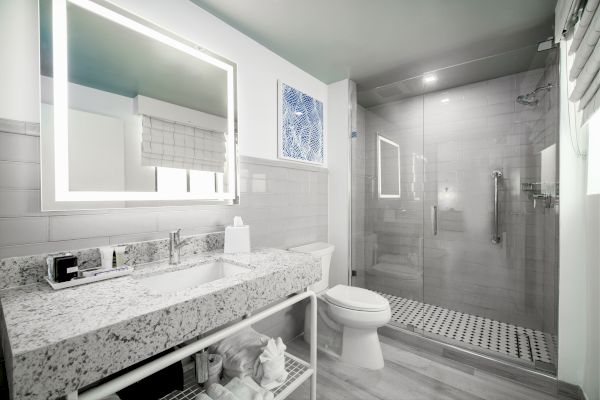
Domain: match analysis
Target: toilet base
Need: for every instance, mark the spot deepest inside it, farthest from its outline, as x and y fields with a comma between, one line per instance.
x=354, y=346
x=361, y=347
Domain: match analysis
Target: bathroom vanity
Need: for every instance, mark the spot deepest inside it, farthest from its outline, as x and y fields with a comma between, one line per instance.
x=59, y=341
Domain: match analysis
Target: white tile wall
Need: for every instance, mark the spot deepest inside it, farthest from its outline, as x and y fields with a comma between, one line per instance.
x=285, y=204
x=23, y=230
x=17, y=147
x=19, y=175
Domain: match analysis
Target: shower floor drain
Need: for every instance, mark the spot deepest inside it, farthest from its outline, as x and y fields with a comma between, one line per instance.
x=512, y=341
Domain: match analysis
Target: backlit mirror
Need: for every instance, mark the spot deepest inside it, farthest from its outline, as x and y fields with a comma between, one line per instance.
x=388, y=161
x=131, y=113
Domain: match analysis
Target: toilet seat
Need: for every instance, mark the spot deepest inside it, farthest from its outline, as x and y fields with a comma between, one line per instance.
x=357, y=299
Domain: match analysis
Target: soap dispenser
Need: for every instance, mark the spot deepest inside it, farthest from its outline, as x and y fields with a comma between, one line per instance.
x=237, y=237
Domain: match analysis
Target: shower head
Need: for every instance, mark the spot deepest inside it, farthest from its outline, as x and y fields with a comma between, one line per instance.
x=530, y=99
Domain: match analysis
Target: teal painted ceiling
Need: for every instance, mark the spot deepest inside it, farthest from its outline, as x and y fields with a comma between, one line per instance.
x=378, y=42
x=106, y=56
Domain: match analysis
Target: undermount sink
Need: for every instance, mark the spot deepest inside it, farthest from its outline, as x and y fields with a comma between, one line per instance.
x=169, y=282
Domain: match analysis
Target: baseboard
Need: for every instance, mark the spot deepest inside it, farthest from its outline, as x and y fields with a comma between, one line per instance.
x=536, y=380
x=568, y=390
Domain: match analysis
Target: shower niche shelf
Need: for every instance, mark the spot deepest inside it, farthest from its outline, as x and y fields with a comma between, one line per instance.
x=545, y=192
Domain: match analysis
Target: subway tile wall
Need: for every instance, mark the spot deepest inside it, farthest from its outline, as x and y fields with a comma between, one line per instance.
x=284, y=203
x=450, y=141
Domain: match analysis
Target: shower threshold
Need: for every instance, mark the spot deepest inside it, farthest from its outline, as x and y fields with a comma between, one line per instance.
x=524, y=346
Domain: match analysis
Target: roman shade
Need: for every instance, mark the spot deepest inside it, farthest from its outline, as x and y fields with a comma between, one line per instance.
x=177, y=145
x=584, y=76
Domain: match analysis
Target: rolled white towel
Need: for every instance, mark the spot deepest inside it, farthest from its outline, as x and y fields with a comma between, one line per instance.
x=270, y=366
x=218, y=392
x=202, y=396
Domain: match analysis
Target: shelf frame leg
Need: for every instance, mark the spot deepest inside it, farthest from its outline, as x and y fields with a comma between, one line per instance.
x=313, y=344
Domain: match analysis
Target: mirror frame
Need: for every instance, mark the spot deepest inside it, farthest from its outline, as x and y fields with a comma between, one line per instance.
x=62, y=194
x=380, y=139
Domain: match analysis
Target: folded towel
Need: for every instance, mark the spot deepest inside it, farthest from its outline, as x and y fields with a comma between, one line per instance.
x=242, y=391
x=202, y=396
x=266, y=394
x=218, y=392
x=270, y=365
x=240, y=352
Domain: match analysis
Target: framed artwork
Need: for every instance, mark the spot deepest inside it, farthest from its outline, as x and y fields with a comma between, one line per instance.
x=300, y=131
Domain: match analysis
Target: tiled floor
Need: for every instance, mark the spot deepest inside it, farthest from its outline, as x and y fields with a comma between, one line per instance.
x=523, y=344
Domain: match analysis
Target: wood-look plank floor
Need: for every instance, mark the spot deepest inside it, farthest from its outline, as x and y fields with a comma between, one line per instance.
x=409, y=374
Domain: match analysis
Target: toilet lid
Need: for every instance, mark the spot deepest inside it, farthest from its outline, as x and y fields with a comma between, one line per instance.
x=356, y=298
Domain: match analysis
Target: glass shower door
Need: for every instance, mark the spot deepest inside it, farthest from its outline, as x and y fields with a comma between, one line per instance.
x=387, y=204
x=490, y=219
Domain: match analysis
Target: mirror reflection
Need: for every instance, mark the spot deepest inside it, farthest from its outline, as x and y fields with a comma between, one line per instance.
x=388, y=158
x=143, y=116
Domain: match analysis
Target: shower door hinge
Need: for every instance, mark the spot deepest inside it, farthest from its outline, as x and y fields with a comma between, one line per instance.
x=354, y=273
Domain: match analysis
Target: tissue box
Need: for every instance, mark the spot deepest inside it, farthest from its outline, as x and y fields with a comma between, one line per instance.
x=237, y=239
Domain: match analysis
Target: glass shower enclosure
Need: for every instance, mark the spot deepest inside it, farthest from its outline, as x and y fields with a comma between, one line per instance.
x=455, y=205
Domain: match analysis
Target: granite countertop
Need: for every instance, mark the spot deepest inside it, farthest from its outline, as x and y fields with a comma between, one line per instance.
x=59, y=341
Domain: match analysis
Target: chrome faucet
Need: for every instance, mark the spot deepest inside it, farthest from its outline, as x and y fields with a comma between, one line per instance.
x=175, y=245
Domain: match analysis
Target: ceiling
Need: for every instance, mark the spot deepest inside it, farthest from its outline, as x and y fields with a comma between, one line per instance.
x=106, y=56
x=378, y=42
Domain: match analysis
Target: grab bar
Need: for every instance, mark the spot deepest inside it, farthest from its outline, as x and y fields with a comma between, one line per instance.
x=496, y=238
x=434, y=220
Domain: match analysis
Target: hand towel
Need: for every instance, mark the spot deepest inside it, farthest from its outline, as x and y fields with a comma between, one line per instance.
x=219, y=392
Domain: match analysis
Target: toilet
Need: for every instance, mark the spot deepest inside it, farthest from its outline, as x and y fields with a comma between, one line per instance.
x=348, y=317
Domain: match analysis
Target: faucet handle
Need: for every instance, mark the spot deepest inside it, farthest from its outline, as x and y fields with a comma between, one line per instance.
x=174, y=235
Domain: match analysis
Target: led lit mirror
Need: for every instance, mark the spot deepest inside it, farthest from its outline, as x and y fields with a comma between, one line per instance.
x=388, y=168
x=130, y=113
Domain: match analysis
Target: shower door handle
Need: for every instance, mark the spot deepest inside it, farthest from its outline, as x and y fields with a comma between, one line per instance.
x=496, y=238
x=434, y=220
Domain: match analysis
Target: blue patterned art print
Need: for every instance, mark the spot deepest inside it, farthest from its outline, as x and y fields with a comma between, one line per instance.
x=301, y=126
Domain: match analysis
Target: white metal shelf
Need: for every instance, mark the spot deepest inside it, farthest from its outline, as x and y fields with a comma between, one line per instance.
x=298, y=372
x=301, y=370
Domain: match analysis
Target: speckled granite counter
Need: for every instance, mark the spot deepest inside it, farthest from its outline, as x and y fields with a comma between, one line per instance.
x=59, y=341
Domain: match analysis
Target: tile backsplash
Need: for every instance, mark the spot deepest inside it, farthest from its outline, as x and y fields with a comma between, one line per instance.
x=284, y=203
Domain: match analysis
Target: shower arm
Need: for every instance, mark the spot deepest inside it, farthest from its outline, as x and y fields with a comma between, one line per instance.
x=496, y=238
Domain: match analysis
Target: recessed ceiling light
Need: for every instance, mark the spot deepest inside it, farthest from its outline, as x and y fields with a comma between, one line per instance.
x=430, y=78
x=445, y=100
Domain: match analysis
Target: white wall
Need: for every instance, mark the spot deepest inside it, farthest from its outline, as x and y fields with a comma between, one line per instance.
x=579, y=283
x=338, y=143
x=19, y=69
x=96, y=152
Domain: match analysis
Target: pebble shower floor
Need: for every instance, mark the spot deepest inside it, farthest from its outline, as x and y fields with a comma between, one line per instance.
x=528, y=345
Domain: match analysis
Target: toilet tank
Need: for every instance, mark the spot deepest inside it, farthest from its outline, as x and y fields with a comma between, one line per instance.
x=324, y=251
